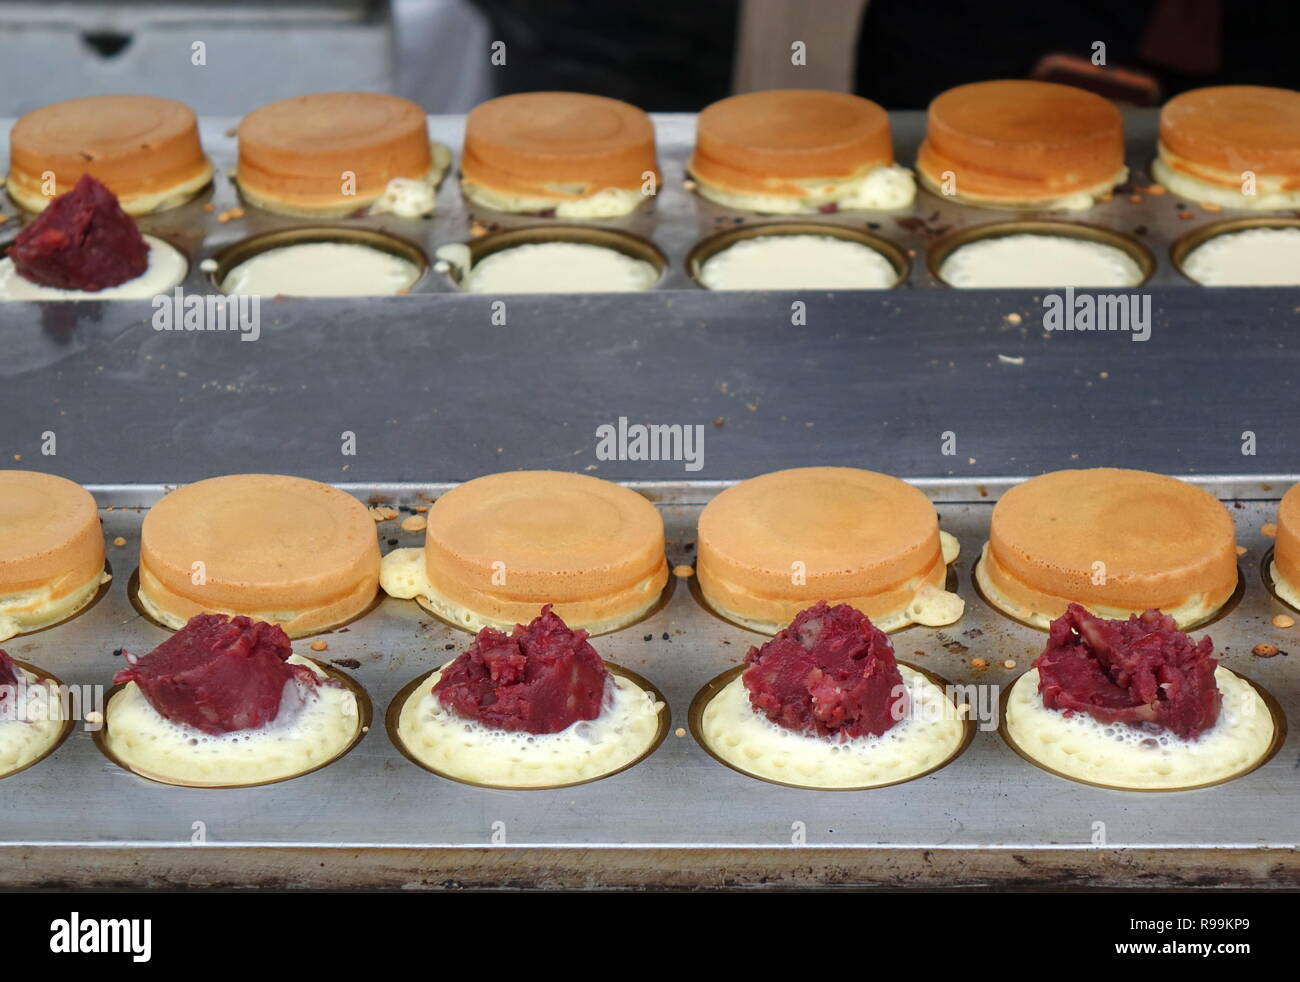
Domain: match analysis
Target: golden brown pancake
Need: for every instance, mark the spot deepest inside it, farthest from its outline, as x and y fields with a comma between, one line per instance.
x=775, y=544
x=536, y=150
x=1210, y=138
x=1117, y=541
x=330, y=153
x=298, y=553
x=499, y=547
x=1286, y=549
x=1017, y=143
x=144, y=149
x=787, y=141
x=51, y=550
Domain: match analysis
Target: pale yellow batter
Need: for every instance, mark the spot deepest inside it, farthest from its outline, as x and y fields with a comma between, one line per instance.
x=469, y=751
x=1121, y=756
x=929, y=733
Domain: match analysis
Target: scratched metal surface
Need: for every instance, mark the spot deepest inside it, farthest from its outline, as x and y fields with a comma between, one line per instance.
x=679, y=798
x=435, y=393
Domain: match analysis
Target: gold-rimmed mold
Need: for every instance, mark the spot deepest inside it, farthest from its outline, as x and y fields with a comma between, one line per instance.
x=393, y=718
x=714, y=686
x=945, y=246
x=1271, y=704
x=365, y=718
x=133, y=594
x=950, y=583
x=1189, y=242
x=227, y=258
x=710, y=246
x=68, y=722
x=1217, y=614
x=100, y=592
x=625, y=243
x=1270, y=584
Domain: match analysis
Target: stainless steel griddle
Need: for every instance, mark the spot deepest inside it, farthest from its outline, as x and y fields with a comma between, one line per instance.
x=679, y=219
x=436, y=394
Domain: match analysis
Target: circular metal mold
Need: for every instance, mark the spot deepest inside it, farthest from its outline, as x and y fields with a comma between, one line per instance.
x=626, y=243
x=393, y=716
x=718, y=683
x=1266, y=574
x=1279, y=738
x=950, y=243
x=230, y=256
x=708, y=247
x=365, y=717
x=950, y=584
x=64, y=731
x=95, y=598
x=1228, y=606
x=1189, y=242
x=133, y=594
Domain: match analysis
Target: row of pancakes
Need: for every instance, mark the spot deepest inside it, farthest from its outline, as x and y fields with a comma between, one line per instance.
x=305, y=556
x=1014, y=143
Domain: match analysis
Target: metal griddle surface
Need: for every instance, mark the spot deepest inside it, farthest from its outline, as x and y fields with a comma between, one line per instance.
x=435, y=393
x=677, y=800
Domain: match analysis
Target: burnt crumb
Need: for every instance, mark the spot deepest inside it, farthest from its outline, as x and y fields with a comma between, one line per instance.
x=919, y=653
x=725, y=641
x=874, y=226
x=955, y=647
x=342, y=630
x=448, y=647
x=689, y=547
x=1141, y=230
x=345, y=662
x=974, y=632
x=1238, y=505
x=667, y=636
x=923, y=226
x=392, y=542
x=648, y=637
x=117, y=652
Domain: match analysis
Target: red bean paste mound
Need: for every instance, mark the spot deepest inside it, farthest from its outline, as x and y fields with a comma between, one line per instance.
x=82, y=241
x=218, y=674
x=542, y=678
x=831, y=672
x=1142, y=671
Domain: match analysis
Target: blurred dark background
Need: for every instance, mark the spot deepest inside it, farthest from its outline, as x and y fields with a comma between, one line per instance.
x=663, y=55
x=682, y=54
